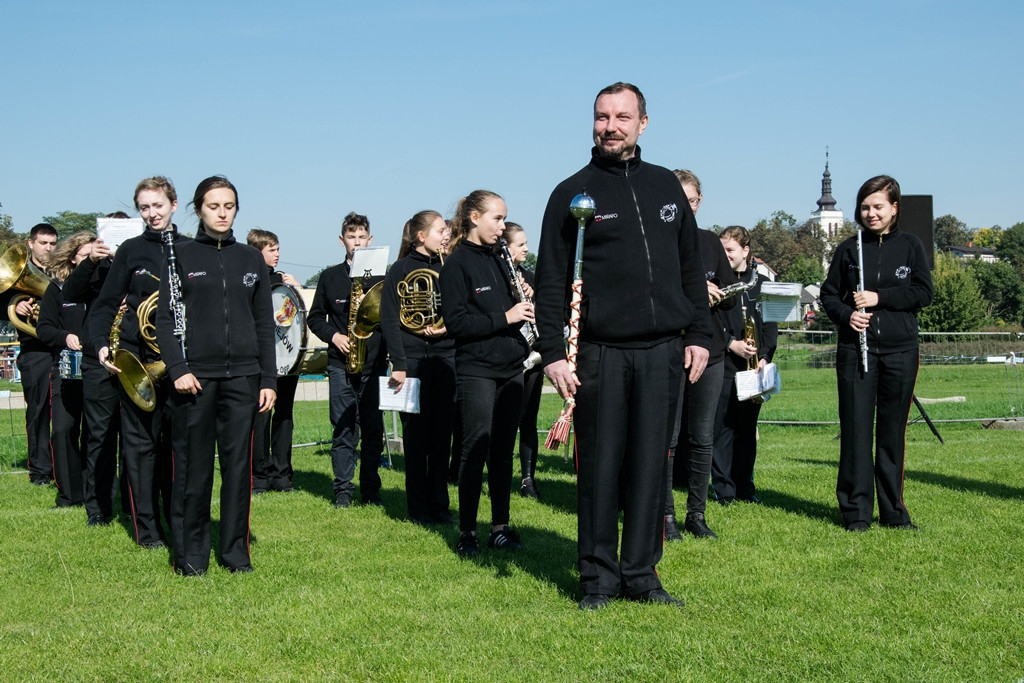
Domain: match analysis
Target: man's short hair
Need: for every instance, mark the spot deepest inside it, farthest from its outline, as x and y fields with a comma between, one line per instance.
x=261, y=239
x=41, y=229
x=616, y=88
x=354, y=221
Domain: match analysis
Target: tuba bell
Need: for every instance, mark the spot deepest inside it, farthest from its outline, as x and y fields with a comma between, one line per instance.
x=18, y=272
x=362, y=323
x=419, y=301
x=138, y=379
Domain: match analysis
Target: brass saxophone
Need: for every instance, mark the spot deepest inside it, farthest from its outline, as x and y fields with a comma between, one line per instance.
x=740, y=287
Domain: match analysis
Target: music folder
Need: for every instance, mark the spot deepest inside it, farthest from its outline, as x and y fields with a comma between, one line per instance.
x=405, y=401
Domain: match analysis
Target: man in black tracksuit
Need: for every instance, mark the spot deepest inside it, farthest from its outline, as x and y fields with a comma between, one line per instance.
x=229, y=351
x=643, y=287
x=135, y=275
x=354, y=397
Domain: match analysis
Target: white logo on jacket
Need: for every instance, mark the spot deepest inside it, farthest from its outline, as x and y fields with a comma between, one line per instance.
x=198, y=273
x=249, y=279
x=605, y=217
x=903, y=272
x=668, y=212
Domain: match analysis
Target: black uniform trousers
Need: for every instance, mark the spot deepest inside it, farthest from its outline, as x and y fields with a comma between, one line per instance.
x=66, y=439
x=881, y=396
x=102, y=417
x=35, y=367
x=490, y=417
x=625, y=407
x=427, y=438
x=147, y=463
x=272, y=440
x=695, y=429
x=355, y=412
x=220, y=417
x=533, y=382
x=732, y=464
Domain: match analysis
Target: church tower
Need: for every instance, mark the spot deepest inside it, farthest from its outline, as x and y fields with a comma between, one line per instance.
x=830, y=221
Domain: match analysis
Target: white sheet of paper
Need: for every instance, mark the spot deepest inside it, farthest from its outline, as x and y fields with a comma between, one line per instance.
x=405, y=401
x=114, y=231
x=373, y=259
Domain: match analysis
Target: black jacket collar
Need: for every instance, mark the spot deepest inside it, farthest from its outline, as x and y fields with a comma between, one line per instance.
x=204, y=237
x=614, y=166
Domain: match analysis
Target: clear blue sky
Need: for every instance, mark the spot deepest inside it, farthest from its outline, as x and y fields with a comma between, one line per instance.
x=315, y=109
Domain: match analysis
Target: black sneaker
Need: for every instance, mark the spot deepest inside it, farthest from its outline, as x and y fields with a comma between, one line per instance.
x=529, y=489
x=343, y=500
x=594, y=601
x=671, y=530
x=697, y=527
x=373, y=499
x=505, y=539
x=97, y=520
x=468, y=546
x=857, y=527
x=658, y=596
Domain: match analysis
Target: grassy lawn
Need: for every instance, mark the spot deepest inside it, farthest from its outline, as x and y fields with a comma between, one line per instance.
x=362, y=594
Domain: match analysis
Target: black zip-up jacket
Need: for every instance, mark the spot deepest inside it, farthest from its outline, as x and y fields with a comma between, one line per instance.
x=643, y=279
x=59, y=318
x=329, y=314
x=732, y=321
x=475, y=294
x=896, y=267
x=718, y=271
x=83, y=287
x=401, y=343
x=229, y=319
x=135, y=274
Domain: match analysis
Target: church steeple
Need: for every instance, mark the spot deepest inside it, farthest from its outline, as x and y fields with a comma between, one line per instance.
x=826, y=203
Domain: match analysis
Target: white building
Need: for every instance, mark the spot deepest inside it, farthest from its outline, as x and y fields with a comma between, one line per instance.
x=830, y=220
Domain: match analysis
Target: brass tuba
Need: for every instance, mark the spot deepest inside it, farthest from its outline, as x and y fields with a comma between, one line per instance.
x=18, y=272
x=138, y=379
x=419, y=301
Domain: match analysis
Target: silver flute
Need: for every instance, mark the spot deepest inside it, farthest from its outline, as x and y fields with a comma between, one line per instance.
x=174, y=285
x=863, y=339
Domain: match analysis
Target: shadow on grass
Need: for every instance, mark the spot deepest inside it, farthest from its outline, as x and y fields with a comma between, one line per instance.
x=799, y=506
x=548, y=556
x=317, y=483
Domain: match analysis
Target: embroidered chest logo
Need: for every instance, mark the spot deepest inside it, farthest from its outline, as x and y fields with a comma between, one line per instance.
x=198, y=273
x=481, y=290
x=605, y=217
x=249, y=279
x=903, y=272
x=668, y=212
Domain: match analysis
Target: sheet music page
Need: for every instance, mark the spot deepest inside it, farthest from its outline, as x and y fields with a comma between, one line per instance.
x=405, y=401
x=114, y=231
x=373, y=259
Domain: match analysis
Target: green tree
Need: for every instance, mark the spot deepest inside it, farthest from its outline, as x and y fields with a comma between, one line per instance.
x=986, y=237
x=957, y=304
x=1011, y=245
x=1002, y=286
x=70, y=222
x=7, y=235
x=950, y=232
x=772, y=240
x=531, y=261
x=805, y=270
x=314, y=279
x=848, y=230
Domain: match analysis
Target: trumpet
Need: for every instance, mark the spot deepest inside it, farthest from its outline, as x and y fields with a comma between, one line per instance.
x=528, y=329
x=18, y=272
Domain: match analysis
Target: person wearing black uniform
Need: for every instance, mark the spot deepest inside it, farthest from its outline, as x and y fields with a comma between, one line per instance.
x=35, y=360
x=695, y=418
x=272, y=432
x=533, y=377
x=480, y=312
x=133, y=277
x=354, y=397
x=735, y=450
x=643, y=287
x=223, y=369
x=426, y=352
x=60, y=328
x=101, y=414
x=897, y=284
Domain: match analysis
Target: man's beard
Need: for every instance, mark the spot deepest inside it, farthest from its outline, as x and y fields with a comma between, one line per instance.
x=626, y=152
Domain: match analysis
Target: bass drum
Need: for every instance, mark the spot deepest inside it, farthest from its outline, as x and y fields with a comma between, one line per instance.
x=292, y=336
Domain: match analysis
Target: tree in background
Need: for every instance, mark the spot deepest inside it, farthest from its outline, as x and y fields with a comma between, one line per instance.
x=950, y=232
x=848, y=230
x=1011, y=245
x=806, y=271
x=986, y=237
x=70, y=222
x=957, y=304
x=772, y=240
x=1002, y=286
x=7, y=235
x=314, y=279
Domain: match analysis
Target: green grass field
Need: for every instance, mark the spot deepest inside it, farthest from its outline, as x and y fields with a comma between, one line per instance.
x=362, y=594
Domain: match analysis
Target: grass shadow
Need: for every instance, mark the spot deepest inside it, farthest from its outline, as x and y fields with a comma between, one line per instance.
x=317, y=483
x=540, y=547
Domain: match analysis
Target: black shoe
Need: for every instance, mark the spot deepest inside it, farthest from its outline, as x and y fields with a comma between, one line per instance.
x=259, y=491
x=859, y=527
x=97, y=520
x=505, y=539
x=374, y=499
x=908, y=525
x=671, y=530
x=468, y=546
x=594, y=601
x=529, y=489
x=751, y=499
x=658, y=596
x=286, y=488
x=726, y=502
x=244, y=569
x=697, y=527
x=154, y=545
x=343, y=500
x=40, y=481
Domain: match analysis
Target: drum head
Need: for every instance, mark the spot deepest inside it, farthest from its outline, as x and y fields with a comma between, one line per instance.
x=289, y=327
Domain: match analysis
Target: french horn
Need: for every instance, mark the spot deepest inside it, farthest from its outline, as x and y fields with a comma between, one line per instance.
x=419, y=301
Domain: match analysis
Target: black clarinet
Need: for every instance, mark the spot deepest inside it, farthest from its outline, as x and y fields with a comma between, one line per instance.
x=528, y=330
x=174, y=286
